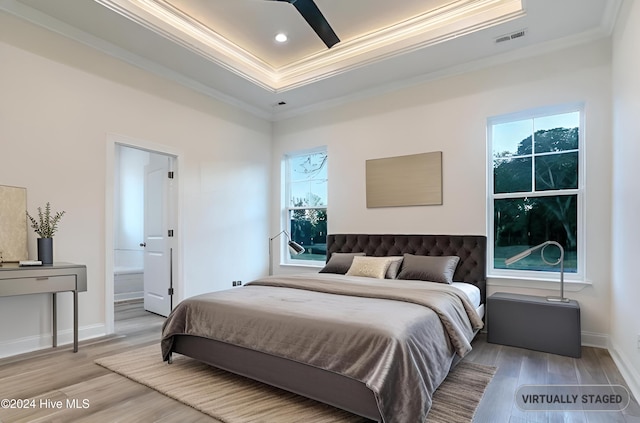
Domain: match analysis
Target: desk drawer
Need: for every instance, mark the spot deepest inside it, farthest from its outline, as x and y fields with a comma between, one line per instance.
x=35, y=285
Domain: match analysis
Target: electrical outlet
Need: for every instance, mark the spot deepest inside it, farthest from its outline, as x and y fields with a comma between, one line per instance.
x=240, y=284
x=234, y=283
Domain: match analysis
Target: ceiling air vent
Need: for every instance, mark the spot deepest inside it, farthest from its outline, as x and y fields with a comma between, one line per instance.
x=512, y=36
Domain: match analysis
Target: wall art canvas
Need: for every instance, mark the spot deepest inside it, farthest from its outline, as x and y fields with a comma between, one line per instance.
x=413, y=180
x=13, y=223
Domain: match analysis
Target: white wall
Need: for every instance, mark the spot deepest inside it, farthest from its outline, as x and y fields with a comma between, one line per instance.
x=625, y=288
x=450, y=115
x=60, y=100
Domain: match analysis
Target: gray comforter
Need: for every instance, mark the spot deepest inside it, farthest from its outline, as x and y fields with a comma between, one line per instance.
x=397, y=337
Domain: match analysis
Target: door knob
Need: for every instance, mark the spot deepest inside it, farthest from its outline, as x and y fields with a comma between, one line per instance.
x=143, y=244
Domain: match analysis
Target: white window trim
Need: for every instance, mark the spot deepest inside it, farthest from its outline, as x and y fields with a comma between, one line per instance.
x=285, y=257
x=529, y=275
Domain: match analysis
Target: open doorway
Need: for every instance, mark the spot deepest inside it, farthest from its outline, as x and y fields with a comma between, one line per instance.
x=145, y=198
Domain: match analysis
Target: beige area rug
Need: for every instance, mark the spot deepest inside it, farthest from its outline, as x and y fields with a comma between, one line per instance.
x=235, y=399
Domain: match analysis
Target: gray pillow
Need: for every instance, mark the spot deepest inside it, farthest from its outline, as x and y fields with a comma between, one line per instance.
x=339, y=263
x=394, y=267
x=429, y=268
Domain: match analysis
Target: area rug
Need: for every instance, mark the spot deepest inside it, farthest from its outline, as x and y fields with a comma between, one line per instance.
x=235, y=399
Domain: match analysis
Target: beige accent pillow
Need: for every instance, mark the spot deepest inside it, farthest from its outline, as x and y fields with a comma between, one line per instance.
x=371, y=267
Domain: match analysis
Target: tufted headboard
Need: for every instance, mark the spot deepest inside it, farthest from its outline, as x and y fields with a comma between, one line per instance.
x=472, y=250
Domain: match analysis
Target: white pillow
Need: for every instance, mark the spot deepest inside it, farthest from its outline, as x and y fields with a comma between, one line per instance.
x=371, y=267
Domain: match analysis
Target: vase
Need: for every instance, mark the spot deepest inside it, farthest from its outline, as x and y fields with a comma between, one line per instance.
x=45, y=250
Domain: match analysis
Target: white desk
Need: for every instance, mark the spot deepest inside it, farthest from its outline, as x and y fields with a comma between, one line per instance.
x=46, y=279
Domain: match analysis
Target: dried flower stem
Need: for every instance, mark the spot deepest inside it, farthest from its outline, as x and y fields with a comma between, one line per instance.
x=46, y=225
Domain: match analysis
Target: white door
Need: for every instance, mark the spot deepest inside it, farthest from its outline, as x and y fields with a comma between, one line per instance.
x=157, y=242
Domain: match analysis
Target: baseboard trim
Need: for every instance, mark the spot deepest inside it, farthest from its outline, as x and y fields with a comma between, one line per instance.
x=128, y=296
x=129, y=301
x=594, y=339
x=43, y=341
x=628, y=371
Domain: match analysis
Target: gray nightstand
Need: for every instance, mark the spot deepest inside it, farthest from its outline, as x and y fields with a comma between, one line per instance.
x=532, y=322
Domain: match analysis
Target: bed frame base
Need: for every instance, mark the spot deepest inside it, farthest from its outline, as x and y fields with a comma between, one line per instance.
x=318, y=384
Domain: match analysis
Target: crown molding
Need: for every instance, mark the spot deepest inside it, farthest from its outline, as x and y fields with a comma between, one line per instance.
x=453, y=20
x=467, y=67
x=43, y=20
x=610, y=16
x=163, y=19
x=434, y=27
x=36, y=17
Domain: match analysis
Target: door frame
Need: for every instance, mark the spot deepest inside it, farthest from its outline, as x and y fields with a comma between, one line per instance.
x=112, y=141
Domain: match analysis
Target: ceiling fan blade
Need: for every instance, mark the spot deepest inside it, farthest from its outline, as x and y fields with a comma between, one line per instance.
x=316, y=20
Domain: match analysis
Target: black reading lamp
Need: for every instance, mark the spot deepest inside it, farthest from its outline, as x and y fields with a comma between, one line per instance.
x=294, y=248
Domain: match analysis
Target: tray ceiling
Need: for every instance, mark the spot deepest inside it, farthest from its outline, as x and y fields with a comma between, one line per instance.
x=226, y=48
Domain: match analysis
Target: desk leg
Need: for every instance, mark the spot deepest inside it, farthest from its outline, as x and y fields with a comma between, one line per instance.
x=75, y=321
x=55, y=320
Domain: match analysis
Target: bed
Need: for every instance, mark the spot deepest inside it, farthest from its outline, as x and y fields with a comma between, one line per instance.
x=376, y=347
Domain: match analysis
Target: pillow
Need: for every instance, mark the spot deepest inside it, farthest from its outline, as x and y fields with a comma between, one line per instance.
x=371, y=267
x=394, y=267
x=339, y=263
x=429, y=268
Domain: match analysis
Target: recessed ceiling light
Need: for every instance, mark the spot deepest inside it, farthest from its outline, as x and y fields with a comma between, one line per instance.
x=281, y=37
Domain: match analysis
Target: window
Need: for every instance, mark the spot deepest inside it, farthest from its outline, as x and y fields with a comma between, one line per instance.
x=536, y=190
x=306, y=204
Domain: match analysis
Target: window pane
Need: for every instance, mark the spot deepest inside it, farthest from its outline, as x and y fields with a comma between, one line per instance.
x=309, y=229
x=557, y=132
x=521, y=223
x=318, y=192
x=308, y=166
x=512, y=175
x=298, y=193
x=557, y=171
x=308, y=180
x=512, y=138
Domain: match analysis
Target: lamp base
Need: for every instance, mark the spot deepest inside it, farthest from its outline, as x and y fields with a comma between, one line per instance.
x=558, y=299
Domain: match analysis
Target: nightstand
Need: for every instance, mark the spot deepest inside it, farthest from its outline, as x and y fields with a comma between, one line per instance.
x=532, y=322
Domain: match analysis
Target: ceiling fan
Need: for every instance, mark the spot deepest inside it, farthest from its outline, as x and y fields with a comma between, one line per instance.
x=316, y=20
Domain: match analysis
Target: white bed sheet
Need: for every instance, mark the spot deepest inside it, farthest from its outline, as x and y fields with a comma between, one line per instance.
x=472, y=291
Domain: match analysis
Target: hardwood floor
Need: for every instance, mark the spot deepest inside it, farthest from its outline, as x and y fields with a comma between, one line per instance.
x=517, y=366
x=58, y=375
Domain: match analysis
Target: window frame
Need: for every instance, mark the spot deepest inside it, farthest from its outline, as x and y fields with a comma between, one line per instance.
x=580, y=192
x=285, y=255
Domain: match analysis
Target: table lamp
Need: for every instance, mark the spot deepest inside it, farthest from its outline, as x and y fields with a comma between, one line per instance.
x=560, y=261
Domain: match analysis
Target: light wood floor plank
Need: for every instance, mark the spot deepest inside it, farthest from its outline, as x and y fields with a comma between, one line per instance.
x=497, y=403
x=532, y=372
x=632, y=412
